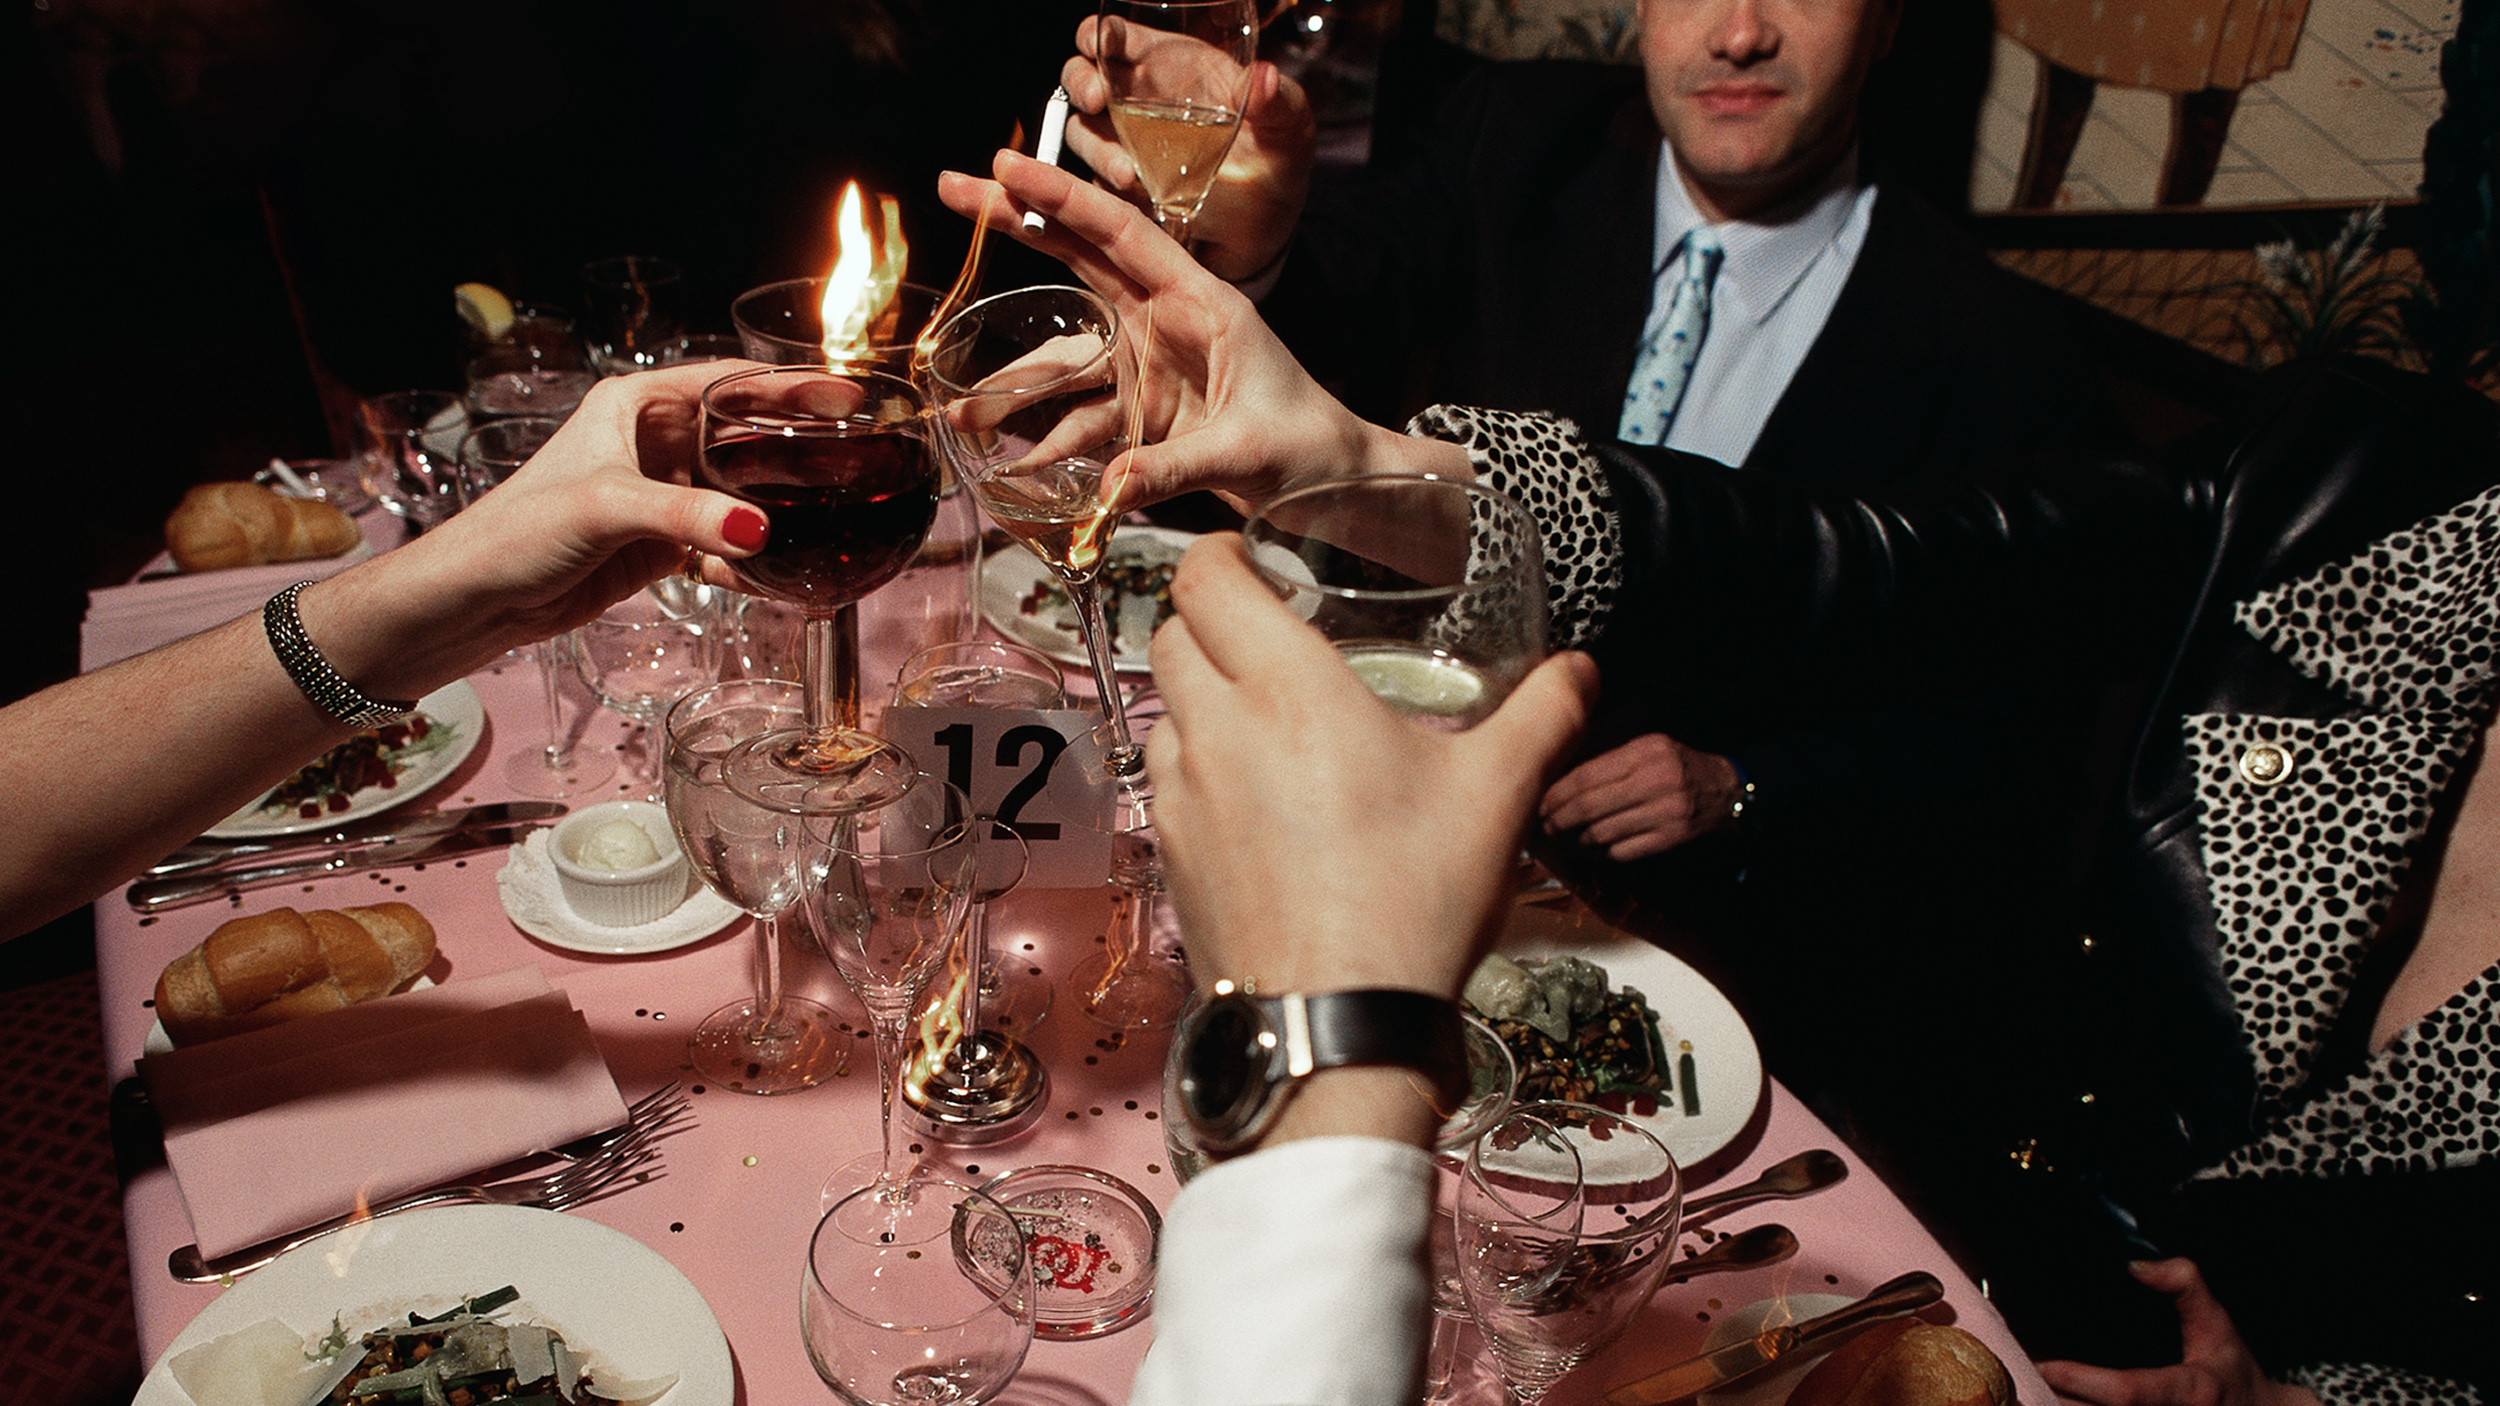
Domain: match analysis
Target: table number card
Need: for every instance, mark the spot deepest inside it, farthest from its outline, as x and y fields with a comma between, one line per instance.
x=1030, y=768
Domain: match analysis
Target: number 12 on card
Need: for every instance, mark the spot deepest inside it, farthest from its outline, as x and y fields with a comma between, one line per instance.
x=1027, y=768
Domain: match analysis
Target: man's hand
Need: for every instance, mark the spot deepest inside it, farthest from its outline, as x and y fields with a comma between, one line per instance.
x=1316, y=839
x=1645, y=797
x=1257, y=197
x=2215, y=1367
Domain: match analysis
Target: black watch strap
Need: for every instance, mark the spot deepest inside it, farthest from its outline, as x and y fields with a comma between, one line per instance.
x=1239, y=1057
x=1332, y=1029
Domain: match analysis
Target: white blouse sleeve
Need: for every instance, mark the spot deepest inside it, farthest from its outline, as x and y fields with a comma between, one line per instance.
x=1295, y=1276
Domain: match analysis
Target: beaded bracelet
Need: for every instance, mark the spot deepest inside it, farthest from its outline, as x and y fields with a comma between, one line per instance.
x=312, y=673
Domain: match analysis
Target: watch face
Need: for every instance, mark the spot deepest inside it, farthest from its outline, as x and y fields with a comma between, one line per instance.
x=1222, y=1064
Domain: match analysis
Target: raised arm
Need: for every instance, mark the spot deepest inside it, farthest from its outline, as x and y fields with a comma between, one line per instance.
x=1228, y=408
x=104, y=773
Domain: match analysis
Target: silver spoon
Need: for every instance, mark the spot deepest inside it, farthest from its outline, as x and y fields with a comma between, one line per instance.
x=1801, y=1175
x=1764, y=1244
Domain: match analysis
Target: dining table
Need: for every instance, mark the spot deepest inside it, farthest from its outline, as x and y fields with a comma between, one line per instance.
x=740, y=1187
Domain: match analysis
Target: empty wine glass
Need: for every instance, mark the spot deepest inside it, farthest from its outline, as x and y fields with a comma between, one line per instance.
x=1432, y=589
x=759, y=859
x=892, y=887
x=917, y=1298
x=408, y=446
x=490, y=454
x=1179, y=74
x=650, y=649
x=630, y=317
x=1032, y=395
x=1548, y=1289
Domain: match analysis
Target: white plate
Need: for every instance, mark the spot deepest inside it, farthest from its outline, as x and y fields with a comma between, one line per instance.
x=1009, y=576
x=611, y=1296
x=533, y=898
x=455, y=705
x=1725, y=1059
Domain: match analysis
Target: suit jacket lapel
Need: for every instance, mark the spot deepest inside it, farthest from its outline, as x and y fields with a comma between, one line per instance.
x=2310, y=824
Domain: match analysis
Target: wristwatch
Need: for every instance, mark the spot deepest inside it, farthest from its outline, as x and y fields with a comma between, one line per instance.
x=1239, y=1056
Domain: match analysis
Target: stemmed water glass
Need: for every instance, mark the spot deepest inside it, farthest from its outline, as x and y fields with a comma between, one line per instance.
x=758, y=858
x=408, y=449
x=490, y=454
x=1547, y=1290
x=1432, y=589
x=893, y=886
x=1032, y=395
x=841, y=464
x=1179, y=74
x=921, y=1297
x=650, y=649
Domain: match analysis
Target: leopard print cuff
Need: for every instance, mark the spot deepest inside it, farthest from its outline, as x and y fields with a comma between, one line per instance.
x=1545, y=463
x=2369, y=1384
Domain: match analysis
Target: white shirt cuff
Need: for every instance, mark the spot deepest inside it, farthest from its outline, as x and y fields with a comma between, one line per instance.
x=1295, y=1276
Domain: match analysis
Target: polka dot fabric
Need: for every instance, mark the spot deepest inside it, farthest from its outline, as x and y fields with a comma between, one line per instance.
x=2349, y=1385
x=1543, y=462
x=2308, y=826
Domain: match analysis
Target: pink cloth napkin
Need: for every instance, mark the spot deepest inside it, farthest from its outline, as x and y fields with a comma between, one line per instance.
x=159, y=609
x=277, y=1129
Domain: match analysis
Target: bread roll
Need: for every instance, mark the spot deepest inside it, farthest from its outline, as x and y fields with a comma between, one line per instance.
x=1907, y=1362
x=219, y=525
x=268, y=967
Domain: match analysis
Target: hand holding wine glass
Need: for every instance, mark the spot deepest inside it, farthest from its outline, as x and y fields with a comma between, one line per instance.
x=1179, y=78
x=840, y=462
x=1032, y=393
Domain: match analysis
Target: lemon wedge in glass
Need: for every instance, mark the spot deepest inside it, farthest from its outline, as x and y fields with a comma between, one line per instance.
x=485, y=308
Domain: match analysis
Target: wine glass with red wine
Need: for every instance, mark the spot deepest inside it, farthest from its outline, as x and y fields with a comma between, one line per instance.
x=840, y=462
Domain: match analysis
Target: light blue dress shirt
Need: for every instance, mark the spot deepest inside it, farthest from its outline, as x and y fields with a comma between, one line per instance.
x=1781, y=274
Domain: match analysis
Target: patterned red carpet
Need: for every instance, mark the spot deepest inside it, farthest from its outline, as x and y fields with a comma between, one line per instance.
x=66, y=1334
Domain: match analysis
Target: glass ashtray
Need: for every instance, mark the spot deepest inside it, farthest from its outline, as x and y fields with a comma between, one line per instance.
x=1091, y=1238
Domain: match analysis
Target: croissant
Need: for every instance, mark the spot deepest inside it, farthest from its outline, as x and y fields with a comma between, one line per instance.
x=243, y=524
x=269, y=967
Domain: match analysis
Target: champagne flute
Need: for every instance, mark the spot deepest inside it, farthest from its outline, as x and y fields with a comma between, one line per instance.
x=1432, y=589
x=757, y=858
x=491, y=453
x=892, y=888
x=1032, y=394
x=841, y=464
x=919, y=1298
x=1548, y=1290
x=1179, y=74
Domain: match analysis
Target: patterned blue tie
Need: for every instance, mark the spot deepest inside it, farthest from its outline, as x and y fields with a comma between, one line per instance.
x=1666, y=361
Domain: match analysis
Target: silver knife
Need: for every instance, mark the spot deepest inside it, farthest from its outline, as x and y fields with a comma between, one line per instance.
x=157, y=895
x=1716, y=1369
x=209, y=854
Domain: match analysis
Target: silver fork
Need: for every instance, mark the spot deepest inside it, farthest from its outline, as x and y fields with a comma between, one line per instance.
x=623, y=1156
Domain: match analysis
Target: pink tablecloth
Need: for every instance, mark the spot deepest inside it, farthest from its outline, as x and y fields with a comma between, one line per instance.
x=741, y=1187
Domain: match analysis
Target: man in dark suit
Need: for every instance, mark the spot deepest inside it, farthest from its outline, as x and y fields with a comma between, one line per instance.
x=1527, y=258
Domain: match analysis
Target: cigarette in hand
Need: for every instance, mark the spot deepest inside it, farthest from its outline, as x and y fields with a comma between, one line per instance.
x=1054, y=137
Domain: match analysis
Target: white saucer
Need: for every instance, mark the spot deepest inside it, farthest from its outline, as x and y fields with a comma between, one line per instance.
x=534, y=900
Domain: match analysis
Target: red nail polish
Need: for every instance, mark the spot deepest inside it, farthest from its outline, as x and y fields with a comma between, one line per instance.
x=745, y=529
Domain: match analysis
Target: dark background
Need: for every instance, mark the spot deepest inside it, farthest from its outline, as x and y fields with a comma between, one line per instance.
x=235, y=203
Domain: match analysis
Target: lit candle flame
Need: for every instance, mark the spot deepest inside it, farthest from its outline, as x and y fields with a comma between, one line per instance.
x=863, y=288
